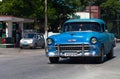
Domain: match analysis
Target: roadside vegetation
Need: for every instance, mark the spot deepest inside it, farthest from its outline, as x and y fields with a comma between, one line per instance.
x=58, y=11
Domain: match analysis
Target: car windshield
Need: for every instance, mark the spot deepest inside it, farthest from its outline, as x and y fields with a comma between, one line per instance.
x=81, y=26
x=30, y=36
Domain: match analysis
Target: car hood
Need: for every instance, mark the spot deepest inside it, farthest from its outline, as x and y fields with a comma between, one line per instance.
x=27, y=39
x=74, y=37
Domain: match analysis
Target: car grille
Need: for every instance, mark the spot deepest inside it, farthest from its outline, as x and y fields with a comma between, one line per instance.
x=71, y=47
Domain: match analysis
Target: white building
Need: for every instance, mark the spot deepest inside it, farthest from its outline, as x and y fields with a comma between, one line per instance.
x=80, y=15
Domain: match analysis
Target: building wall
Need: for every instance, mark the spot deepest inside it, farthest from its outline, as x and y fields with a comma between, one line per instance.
x=95, y=11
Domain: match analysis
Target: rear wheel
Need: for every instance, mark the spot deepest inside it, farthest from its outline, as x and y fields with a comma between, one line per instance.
x=43, y=46
x=110, y=54
x=54, y=59
x=35, y=45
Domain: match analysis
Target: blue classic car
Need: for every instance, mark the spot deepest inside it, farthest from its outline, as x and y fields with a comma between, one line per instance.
x=81, y=38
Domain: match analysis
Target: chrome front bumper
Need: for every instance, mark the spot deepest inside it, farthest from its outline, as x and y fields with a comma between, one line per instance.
x=86, y=54
x=79, y=50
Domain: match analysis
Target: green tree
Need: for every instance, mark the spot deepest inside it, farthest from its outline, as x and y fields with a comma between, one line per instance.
x=61, y=10
x=17, y=7
x=58, y=10
x=110, y=9
x=110, y=12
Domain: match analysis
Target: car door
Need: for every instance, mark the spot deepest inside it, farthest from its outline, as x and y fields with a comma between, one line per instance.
x=106, y=38
x=40, y=40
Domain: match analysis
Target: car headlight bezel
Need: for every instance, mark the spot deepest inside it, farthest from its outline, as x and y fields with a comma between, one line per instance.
x=49, y=41
x=21, y=41
x=30, y=41
x=93, y=40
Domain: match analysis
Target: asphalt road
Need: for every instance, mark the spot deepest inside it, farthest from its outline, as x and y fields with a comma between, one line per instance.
x=33, y=64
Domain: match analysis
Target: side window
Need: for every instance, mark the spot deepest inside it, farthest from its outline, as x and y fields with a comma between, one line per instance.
x=39, y=37
x=103, y=27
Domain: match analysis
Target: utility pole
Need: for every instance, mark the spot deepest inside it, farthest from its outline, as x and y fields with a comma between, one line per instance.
x=46, y=21
x=90, y=2
x=118, y=25
x=118, y=21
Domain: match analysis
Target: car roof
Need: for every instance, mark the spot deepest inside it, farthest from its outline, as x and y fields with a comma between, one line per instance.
x=100, y=21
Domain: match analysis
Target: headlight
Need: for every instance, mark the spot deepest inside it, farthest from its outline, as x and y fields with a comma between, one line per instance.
x=21, y=41
x=30, y=41
x=94, y=40
x=49, y=41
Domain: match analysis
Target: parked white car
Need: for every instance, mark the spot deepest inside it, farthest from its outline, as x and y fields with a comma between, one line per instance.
x=32, y=40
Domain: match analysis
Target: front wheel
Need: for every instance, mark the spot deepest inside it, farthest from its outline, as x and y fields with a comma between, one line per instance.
x=43, y=46
x=54, y=59
x=101, y=58
x=35, y=46
x=110, y=54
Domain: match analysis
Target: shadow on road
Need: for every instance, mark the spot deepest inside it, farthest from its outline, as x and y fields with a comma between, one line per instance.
x=81, y=61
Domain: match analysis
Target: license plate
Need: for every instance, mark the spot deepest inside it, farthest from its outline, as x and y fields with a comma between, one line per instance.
x=71, y=54
x=25, y=43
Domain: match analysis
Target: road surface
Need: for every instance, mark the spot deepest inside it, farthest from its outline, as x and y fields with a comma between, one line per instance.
x=33, y=64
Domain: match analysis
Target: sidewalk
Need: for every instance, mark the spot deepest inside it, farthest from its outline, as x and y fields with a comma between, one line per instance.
x=18, y=51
